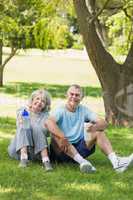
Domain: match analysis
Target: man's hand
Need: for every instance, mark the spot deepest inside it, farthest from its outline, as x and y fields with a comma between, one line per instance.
x=90, y=127
x=64, y=144
x=99, y=125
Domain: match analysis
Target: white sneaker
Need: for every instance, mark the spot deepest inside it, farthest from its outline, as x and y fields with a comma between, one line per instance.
x=124, y=163
x=87, y=167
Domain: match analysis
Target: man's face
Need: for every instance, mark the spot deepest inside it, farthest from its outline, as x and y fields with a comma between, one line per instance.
x=74, y=96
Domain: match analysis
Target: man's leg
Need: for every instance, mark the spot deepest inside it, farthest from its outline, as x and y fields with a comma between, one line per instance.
x=99, y=138
x=85, y=165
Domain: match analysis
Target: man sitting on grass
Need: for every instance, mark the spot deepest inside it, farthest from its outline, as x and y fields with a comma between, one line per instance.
x=66, y=124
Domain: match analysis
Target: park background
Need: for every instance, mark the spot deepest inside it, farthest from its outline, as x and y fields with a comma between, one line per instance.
x=54, y=65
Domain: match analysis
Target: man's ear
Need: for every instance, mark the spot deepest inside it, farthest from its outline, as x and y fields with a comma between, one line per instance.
x=82, y=96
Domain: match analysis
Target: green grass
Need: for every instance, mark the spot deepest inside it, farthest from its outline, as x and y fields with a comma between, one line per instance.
x=23, y=89
x=66, y=181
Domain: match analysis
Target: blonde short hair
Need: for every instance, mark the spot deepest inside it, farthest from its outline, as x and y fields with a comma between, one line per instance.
x=45, y=96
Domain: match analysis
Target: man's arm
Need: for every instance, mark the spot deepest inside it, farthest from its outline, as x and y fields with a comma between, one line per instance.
x=99, y=125
x=51, y=125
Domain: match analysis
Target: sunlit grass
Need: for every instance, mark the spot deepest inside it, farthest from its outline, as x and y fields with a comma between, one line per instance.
x=84, y=187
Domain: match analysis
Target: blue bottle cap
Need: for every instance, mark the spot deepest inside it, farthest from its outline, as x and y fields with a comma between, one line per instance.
x=25, y=113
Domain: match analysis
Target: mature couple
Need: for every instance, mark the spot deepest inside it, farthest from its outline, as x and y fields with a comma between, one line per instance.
x=71, y=141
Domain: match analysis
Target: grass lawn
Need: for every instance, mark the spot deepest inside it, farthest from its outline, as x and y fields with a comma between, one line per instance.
x=26, y=73
x=66, y=181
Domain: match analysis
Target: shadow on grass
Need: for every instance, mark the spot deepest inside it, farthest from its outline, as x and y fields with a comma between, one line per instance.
x=23, y=89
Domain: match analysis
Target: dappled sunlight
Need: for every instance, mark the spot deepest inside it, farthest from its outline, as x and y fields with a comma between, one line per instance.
x=5, y=136
x=85, y=187
x=42, y=195
x=7, y=190
x=129, y=136
x=121, y=185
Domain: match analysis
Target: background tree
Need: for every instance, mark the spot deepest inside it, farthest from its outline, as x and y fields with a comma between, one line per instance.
x=31, y=24
x=17, y=20
x=116, y=78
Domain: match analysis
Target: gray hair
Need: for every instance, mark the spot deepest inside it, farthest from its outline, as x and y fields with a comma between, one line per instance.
x=45, y=96
x=76, y=86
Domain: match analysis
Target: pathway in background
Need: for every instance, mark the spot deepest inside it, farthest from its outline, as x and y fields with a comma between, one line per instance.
x=52, y=67
x=62, y=67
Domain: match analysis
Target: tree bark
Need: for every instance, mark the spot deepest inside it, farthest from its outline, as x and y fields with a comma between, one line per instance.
x=1, y=76
x=116, y=80
x=1, y=70
x=3, y=63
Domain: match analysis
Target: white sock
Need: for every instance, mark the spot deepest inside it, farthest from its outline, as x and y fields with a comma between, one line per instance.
x=24, y=156
x=79, y=159
x=113, y=159
x=45, y=159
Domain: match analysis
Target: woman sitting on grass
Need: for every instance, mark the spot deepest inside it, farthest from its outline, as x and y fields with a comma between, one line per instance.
x=30, y=141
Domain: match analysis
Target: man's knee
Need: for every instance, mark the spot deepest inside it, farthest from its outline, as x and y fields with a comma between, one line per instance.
x=56, y=146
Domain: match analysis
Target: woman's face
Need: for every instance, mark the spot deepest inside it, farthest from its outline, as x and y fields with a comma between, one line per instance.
x=38, y=103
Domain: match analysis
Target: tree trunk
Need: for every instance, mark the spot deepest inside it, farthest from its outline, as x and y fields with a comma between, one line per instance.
x=116, y=80
x=1, y=76
x=1, y=68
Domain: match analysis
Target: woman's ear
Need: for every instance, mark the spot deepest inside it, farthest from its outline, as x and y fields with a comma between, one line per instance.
x=30, y=105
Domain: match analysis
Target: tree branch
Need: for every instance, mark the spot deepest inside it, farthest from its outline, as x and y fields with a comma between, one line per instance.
x=90, y=4
x=13, y=52
x=126, y=13
x=99, y=12
x=92, y=11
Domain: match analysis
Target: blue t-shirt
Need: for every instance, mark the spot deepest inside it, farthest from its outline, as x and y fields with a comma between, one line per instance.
x=72, y=123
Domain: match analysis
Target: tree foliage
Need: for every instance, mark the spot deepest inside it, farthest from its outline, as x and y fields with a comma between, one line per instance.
x=32, y=24
x=117, y=21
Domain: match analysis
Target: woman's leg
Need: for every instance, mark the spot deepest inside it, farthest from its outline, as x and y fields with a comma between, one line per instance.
x=23, y=157
x=41, y=146
x=45, y=160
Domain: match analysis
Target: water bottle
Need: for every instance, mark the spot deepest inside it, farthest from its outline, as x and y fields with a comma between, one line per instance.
x=87, y=135
x=26, y=119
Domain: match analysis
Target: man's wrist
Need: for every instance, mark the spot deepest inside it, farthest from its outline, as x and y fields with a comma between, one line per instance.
x=95, y=127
